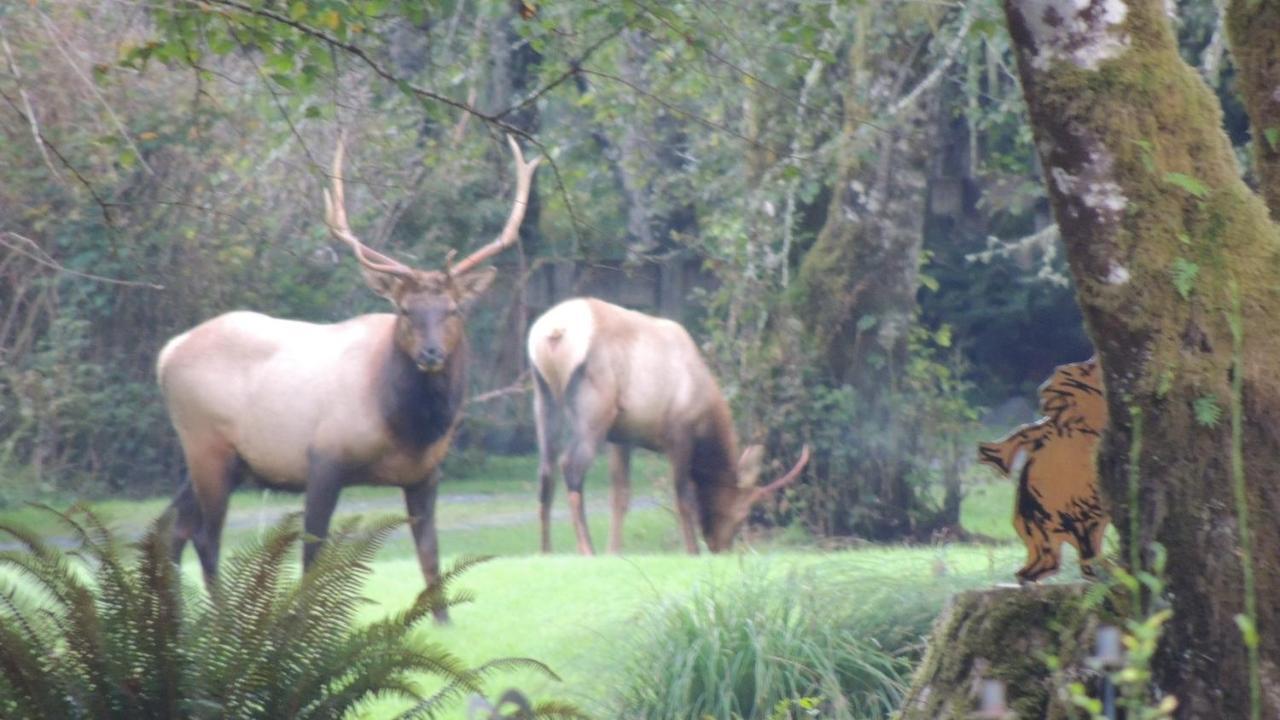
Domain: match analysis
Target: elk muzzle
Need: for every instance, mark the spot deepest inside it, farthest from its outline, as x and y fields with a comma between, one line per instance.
x=431, y=359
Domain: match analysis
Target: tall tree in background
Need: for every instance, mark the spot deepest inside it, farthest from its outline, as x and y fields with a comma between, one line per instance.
x=858, y=282
x=1172, y=257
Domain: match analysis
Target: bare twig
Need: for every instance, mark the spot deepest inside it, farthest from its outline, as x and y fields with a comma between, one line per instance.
x=417, y=91
x=705, y=122
x=522, y=385
x=31, y=249
x=377, y=67
x=460, y=129
x=75, y=68
x=949, y=56
x=103, y=204
x=30, y=110
x=575, y=65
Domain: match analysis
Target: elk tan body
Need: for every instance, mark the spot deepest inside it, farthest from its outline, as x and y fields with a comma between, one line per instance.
x=310, y=407
x=292, y=390
x=631, y=379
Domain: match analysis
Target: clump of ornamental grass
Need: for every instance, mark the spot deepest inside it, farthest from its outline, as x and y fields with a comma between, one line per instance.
x=829, y=640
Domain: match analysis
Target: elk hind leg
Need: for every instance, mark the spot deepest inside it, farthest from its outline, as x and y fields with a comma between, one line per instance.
x=619, y=492
x=185, y=511
x=593, y=414
x=215, y=471
x=546, y=416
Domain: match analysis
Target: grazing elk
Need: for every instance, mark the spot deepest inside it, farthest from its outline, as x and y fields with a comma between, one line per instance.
x=309, y=407
x=635, y=380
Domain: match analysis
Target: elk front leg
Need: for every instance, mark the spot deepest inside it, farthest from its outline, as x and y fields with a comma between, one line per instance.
x=547, y=422
x=324, y=483
x=681, y=456
x=619, y=492
x=420, y=502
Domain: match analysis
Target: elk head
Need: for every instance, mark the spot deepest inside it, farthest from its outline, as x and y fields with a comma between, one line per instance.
x=428, y=303
x=730, y=505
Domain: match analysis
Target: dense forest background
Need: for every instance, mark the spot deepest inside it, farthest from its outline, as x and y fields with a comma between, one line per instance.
x=841, y=201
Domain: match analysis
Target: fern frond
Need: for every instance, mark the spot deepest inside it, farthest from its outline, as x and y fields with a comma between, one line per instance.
x=461, y=565
x=517, y=663
x=429, y=707
x=559, y=710
x=235, y=649
x=316, y=612
x=160, y=621
x=24, y=668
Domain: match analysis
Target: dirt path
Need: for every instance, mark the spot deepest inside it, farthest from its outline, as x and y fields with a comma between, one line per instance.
x=246, y=515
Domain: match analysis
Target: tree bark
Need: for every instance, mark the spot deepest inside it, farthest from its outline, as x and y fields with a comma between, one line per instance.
x=1146, y=189
x=1006, y=634
x=858, y=294
x=1253, y=29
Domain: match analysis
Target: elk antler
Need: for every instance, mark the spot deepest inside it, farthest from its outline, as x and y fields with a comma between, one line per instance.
x=762, y=492
x=335, y=216
x=524, y=178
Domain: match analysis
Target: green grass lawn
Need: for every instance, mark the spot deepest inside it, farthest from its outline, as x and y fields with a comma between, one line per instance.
x=576, y=614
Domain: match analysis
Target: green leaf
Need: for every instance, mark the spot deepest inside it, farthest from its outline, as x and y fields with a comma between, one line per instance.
x=943, y=336
x=929, y=282
x=221, y=43
x=1188, y=183
x=1147, y=154
x=866, y=322
x=278, y=63
x=330, y=19
x=1207, y=411
x=1184, y=274
x=1272, y=134
x=1247, y=630
x=127, y=158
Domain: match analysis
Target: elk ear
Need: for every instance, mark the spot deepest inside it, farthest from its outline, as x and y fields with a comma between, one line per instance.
x=382, y=283
x=749, y=466
x=473, y=284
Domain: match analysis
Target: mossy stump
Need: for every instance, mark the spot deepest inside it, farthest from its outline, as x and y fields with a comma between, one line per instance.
x=1008, y=634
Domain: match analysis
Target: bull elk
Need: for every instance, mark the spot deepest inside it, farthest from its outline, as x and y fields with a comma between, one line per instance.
x=631, y=379
x=314, y=408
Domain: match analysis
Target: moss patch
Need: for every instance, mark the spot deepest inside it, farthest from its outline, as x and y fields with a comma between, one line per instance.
x=1004, y=634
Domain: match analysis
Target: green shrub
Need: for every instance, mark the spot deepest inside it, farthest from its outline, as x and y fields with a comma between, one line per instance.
x=831, y=639
x=101, y=632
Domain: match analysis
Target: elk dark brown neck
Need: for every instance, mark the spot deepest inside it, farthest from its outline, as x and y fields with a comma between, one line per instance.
x=419, y=406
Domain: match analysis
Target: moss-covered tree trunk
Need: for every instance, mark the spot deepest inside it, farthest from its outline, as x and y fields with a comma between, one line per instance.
x=858, y=286
x=1006, y=634
x=1253, y=28
x=1162, y=235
